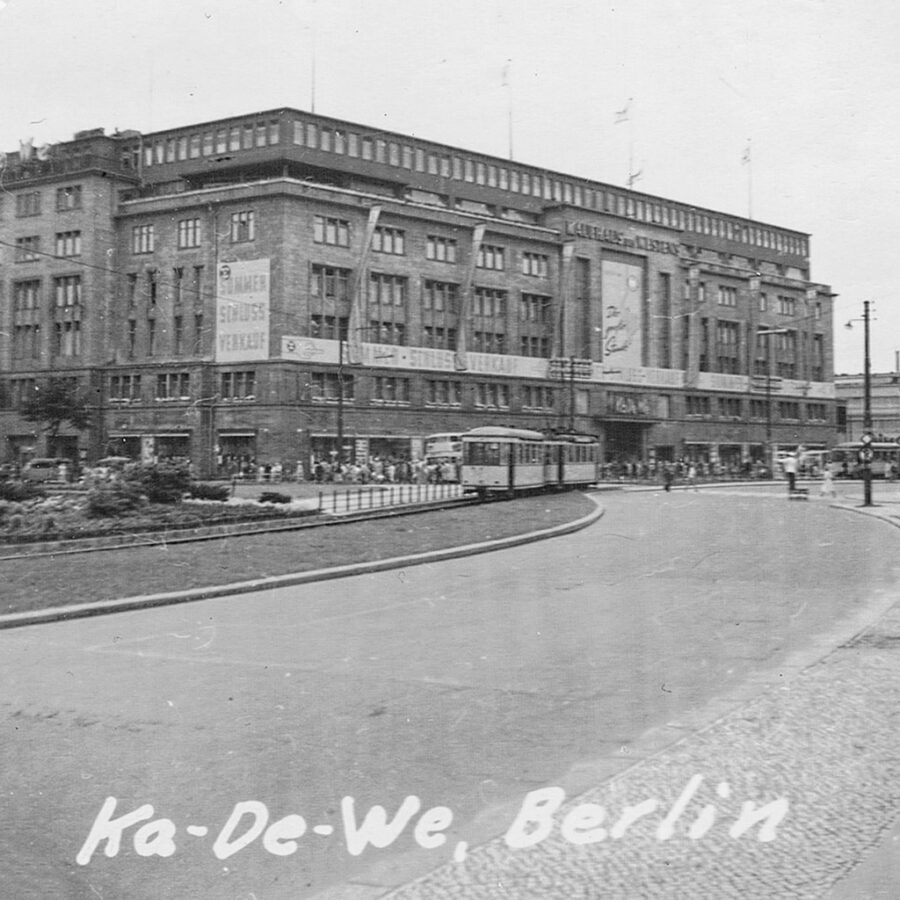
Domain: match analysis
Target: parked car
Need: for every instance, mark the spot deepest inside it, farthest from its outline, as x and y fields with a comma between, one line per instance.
x=44, y=469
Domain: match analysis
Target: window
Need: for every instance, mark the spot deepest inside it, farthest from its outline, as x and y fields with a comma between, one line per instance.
x=243, y=226
x=327, y=230
x=490, y=257
x=131, y=338
x=387, y=290
x=322, y=326
x=388, y=240
x=489, y=394
x=787, y=306
x=439, y=392
x=27, y=248
x=151, y=337
x=388, y=332
x=173, y=386
x=67, y=291
x=68, y=197
x=390, y=389
x=440, y=249
x=68, y=243
x=697, y=405
x=488, y=342
x=197, y=347
x=178, y=334
x=788, y=409
x=188, y=233
x=326, y=386
x=727, y=335
x=238, y=385
x=537, y=397
x=534, y=345
x=125, y=387
x=534, y=264
x=28, y=204
x=816, y=412
x=67, y=338
x=534, y=308
x=763, y=302
x=730, y=407
x=727, y=295
x=440, y=296
x=329, y=283
x=152, y=287
x=142, y=239
x=439, y=337
x=26, y=295
x=489, y=303
x=177, y=284
x=26, y=342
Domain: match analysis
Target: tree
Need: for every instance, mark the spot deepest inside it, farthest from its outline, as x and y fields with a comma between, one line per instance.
x=55, y=402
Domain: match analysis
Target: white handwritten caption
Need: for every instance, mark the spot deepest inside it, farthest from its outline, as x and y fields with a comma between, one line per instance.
x=582, y=824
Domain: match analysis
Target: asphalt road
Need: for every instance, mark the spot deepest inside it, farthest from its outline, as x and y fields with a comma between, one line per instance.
x=464, y=684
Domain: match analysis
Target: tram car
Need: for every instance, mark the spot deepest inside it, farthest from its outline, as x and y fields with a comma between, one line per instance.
x=501, y=460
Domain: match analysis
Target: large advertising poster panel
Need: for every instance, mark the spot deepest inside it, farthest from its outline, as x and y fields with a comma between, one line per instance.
x=242, y=311
x=622, y=286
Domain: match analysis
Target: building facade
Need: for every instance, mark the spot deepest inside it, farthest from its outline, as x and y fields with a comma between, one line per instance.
x=884, y=405
x=269, y=287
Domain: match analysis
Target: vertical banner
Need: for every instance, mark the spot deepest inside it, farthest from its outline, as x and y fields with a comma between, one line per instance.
x=565, y=312
x=465, y=300
x=355, y=325
x=622, y=289
x=242, y=311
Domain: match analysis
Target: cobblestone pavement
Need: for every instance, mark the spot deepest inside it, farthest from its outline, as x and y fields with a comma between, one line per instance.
x=824, y=742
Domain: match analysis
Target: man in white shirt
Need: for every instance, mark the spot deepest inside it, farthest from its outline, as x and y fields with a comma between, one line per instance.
x=790, y=469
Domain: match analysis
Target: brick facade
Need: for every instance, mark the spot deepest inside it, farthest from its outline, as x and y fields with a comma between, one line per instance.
x=662, y=301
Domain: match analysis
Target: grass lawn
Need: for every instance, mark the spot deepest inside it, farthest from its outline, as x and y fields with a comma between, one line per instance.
x=59, y=580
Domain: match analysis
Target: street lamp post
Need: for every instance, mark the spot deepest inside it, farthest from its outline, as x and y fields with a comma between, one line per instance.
x=770, y=454
x=866, y=452
x=342, y=340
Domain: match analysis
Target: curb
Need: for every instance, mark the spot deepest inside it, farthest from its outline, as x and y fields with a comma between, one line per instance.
x=148, y=601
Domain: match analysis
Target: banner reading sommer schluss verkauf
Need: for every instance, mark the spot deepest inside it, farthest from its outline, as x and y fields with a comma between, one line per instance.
x=242, y=310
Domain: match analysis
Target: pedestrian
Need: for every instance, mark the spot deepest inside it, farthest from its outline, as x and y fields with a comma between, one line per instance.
x=827, y=487
x=668, y=478
x=790, y=470
x=692, y=476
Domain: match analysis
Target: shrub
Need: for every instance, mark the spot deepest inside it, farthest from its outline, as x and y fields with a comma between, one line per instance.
x=17, y=491
x=200, y=491
x=113, y=499
x=160, y=482
x=274, y=497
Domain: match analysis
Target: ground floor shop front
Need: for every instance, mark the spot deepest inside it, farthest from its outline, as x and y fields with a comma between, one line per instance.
x=224, y=442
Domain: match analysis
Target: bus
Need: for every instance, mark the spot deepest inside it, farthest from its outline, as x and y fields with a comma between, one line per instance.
x=844, y=461
x=444, y=448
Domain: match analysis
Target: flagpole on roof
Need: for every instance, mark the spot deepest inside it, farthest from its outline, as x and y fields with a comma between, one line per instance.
x=747, y=160
x=509, y=105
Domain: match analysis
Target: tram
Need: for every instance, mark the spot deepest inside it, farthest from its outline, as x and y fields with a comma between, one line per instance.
x=844, y=460
x=501, y=460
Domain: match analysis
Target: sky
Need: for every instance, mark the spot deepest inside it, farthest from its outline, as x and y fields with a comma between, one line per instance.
x=812, y=87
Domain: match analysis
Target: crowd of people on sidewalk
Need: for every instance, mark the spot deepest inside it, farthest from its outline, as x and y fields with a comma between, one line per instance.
x=327, y=470
x=385, y=470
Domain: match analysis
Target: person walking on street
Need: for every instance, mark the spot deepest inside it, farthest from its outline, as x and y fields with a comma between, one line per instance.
x=790, y=470
x=668, y=477
x=827, y=487
x=692, y=476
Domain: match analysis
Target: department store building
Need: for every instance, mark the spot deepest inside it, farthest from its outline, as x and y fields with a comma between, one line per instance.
x=251, y=289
